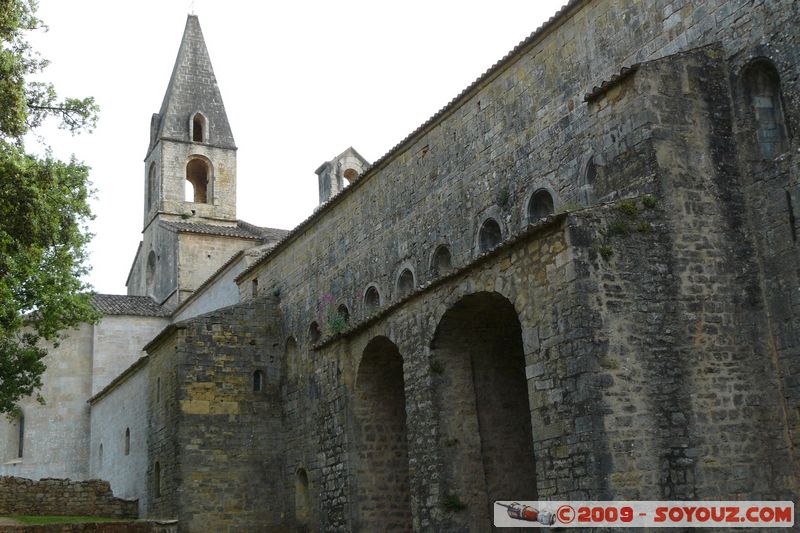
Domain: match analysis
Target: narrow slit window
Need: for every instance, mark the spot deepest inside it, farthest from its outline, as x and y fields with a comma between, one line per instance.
x=258, y=381
x=199, y=128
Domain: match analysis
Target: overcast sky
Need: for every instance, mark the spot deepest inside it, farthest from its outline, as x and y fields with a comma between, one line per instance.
x=301, y=81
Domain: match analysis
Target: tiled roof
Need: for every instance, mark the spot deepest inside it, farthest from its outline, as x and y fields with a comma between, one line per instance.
x=121, y=304
x=597, y=91
x=242, y=230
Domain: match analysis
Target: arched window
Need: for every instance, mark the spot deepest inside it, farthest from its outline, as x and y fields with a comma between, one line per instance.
x=490, y=235
x=372, y=298
x=198, y=174
x=199, y=128
x=314, y=333
x=343, y=312
x=100, y=456
x=302, y=498
x=21, y=442
x=586, y=179
x=350, y=175
x=127, y=441
x=442, y=261
x=258, y=381
x=762, y=85
x=157, y=479
x=150, y=275
x=405, y=283
x=150, y=198
x=540, y=205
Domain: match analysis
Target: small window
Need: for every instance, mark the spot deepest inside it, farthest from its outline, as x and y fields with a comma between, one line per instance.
x=100, y=456
x=343, y=312
x=762, y=85
x=21, y=443
x=350, y=175
x=405, y=283
x=197, y=181
x=372, y=298
x=258, y=381
x=314, y=333
x=198, y=128
x=540, y=206
x=442, y=261
x=150, y=198
x=490, y=235
x=302, y=498
x=254, y=288
x=127, y=441
x=157, y=479
x=150, y=275
x=586, y=181
x=158, y=390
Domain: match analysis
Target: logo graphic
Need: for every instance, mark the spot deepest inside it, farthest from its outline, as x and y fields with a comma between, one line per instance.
x=517, y=511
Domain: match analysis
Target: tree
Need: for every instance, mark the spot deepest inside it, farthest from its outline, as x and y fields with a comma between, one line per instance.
x=44, y=213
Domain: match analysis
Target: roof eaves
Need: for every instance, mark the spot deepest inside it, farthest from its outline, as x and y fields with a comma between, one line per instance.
x=550, y=25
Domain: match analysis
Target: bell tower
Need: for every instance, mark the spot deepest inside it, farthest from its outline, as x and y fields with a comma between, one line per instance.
x=190, y=166
x=190, y=224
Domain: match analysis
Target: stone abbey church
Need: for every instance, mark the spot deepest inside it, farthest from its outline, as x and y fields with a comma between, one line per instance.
x=578, y=280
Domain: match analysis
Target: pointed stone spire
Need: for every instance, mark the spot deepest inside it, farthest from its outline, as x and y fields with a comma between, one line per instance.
x=193, y=88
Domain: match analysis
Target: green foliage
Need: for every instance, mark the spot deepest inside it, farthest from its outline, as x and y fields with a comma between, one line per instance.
x=337, y=324
x=453, y=503
x=649, y=201
x=44, y=212
x=503, y=197
x=628, y=208
x=617, y=227
x=644, y=227
x=26, y=104
x=606, y=251
x=437, y=367
x=451, y=442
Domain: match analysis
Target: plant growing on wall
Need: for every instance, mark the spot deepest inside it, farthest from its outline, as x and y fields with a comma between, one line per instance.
x=329, y=317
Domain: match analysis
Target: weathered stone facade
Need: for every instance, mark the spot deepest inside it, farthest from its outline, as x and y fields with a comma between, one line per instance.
x=62, y=497
x=558, y=287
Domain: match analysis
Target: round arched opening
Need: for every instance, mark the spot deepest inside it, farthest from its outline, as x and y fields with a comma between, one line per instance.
x=442, y=261
x=405, y=283
x=198, y=174
x=490, y=235
x=540, y=205
x=482, y=404
x=350, y=175
x=381, y=439
x=314, y=333
x=372, y=298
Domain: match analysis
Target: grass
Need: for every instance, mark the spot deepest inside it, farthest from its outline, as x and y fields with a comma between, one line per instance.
x=28, y=519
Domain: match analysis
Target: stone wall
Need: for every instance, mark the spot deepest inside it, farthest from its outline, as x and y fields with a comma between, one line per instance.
x=117, y=343
x=118, y=444
x=138, y=526
x=641, y=339
x=218, y=437
x=62, y=497
x=56, y=431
